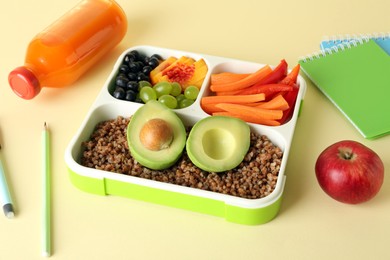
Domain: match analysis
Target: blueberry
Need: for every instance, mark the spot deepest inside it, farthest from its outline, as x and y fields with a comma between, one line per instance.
x=153, y=62
x=124, y=68
x=135, y=54
x=119, y=93
x=128, y=58
x=146, y=69
x=135, y=66
x=142, y=58
x=121, y=81
x=123, y=75
x=146, y=60
x=132, y=76
x=130, y=95
x=133, y=85
x=158, y=57
x=141, y=76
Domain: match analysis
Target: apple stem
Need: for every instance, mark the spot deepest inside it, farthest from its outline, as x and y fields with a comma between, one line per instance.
x=346, y=154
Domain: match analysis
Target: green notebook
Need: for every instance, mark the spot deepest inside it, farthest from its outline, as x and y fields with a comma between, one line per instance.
x=356, y=78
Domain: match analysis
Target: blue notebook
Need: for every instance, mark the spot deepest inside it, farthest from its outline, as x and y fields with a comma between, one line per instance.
x=382, y=39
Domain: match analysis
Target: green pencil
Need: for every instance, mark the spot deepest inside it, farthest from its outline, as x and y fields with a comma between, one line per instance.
x=46, y=196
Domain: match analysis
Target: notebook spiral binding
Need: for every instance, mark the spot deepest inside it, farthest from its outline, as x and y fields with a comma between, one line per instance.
x=348, y=44
x=348, y=37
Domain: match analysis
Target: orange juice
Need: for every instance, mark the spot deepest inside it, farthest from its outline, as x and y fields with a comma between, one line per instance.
x=60, y=54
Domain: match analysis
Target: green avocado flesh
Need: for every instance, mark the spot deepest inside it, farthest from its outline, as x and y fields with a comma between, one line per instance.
x=218, y=143
x=160, y=159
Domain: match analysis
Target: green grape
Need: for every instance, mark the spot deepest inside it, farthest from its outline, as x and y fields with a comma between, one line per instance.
x=180, y=98
x=144, y=83
x=176, y=89
x=185, y=103
x=191, y=92
x=162, y=88
x=147, y=93
x=168, y=100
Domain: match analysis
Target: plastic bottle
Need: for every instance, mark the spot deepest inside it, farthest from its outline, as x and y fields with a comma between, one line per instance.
x=60, y=54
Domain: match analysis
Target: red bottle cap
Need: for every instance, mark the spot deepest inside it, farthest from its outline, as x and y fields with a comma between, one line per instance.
x=24, y=83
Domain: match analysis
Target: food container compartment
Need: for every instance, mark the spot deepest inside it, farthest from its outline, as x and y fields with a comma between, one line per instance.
x=232, y=208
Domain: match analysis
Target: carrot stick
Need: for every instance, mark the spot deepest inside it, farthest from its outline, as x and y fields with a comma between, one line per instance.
x=249, y=118
x=230, y=93
x=226, y=77
x=277, y=102
x=239, y=99
x=245, y=82
x=211, y=108
x=249, y=111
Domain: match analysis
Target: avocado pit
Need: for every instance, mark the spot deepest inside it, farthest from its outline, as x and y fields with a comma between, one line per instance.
x=156, y=134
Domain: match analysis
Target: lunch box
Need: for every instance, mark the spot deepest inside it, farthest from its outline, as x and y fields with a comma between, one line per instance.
x=232, y=208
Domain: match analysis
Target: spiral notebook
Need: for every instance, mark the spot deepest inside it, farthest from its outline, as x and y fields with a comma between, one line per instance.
x=382, y=39
x=356, y=78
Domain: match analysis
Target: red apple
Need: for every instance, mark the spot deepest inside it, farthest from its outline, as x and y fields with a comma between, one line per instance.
x=349, y=172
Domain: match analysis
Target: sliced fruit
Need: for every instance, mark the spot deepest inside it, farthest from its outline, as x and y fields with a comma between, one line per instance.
x=199, y=83
x=163, y=65
x=198, y=76
x=179, y=71
x=182, y=60
x=186, y=71
x=218, y=143
x=156, y=136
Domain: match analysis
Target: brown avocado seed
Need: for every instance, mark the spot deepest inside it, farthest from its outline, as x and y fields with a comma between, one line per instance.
x=156, y=134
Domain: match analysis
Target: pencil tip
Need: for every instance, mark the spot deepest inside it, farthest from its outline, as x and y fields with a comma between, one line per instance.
x=8, y=210
x=10, y=214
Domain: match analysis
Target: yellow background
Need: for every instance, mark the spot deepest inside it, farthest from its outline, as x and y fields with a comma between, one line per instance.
x=310, y=224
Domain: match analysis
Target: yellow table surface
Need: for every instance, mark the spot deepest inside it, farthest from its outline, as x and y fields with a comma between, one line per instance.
x=310, y=224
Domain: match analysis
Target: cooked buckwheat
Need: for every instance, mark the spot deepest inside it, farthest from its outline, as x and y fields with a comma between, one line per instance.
x=254, y=178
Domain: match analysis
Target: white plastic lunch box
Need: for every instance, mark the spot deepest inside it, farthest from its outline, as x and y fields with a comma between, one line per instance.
x=232, y=208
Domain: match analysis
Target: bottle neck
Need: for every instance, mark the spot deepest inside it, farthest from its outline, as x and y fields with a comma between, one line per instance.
x=24, y=82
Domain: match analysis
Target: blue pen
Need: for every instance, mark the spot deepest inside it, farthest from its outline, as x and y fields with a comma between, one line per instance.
x=5, y=197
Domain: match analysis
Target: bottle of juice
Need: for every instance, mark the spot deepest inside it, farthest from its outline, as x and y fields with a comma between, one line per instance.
x=60, y=54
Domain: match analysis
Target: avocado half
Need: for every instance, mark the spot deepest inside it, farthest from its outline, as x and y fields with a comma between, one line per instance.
x=218, y=143
x=160, y=159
